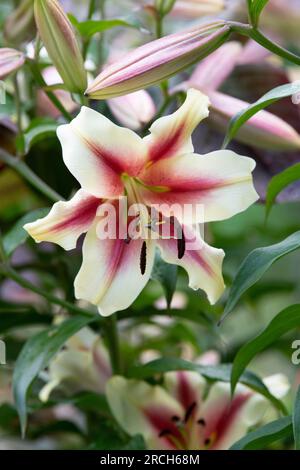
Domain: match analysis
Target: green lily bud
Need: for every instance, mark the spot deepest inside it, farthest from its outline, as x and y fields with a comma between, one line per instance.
x=19, y=26
x=61, y=43
x=164, y=6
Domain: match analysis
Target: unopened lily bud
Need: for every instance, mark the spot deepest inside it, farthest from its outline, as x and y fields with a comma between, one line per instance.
x=61, y=43
x=19, y=25
x=164, y=6
x=133, y=110
x=10, y=61
x=264, y=129
x=158, y=60
x=196, y=8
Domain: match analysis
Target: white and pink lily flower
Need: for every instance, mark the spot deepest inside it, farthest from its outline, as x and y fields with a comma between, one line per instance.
x=161, y=177
x=181, y=415
x=83, y=365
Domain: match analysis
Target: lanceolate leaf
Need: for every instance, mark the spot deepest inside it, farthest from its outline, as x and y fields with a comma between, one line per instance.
x=39, y=129
x=266, y=100
x=36, y=355
x=279, y=182
x=221, y=372
x=286, y=320
x=296, y=420
x=17, y=235
x=262, y=437
x=255, y=265
x=255, y=9
x=166, y=275
x=91, y=27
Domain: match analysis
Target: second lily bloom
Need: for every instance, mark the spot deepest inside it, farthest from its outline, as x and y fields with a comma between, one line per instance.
x=158, y=171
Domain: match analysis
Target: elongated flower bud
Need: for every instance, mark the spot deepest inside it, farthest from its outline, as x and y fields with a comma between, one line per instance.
x=196, y=8
x=10, y=61
x=263, y=130
x=61, y=43
x=158, y=60
x=133, y=110
x=19, y=25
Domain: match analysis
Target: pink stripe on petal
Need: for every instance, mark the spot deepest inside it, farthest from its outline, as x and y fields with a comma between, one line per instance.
x=66, y=221
x=82, y=215
x=222, y=417
x=186, y=393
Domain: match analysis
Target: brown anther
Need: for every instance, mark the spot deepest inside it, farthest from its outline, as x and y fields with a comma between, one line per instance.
x=143, y=258
x=201, y=421
x=189, y=411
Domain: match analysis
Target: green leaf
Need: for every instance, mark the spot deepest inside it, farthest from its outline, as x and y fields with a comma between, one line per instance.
x=35, y=356
x=296, y=420
x=221, y=372
x=255, y=8
x=91, y=27
x=285, y=321
x=17, y=235
x=262, y=437
x=243, y=116
x=166, y=275
x=39, y=129
x=255, y=265
x=279, y=182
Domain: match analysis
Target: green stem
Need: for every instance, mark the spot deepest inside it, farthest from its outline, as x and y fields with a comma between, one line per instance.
x=260, y=38
x=87, y=40
x=13, y=275
x=35, y=70
x=159, y=26
x=18, y=104
x=23, y=170
x=111, y=327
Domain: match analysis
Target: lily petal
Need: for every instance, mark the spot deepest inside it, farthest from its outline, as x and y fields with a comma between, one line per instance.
x=220, y=182
x=187, y=387
x=171, y=135
x=203, y=265
x=97, y=152
x=228, y=420
x=111, y=276
x=66, y=221
x=144, y=409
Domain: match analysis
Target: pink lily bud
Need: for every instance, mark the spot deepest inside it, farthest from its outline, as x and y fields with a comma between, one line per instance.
x=158, y=60
x=10, y=61
x=19, y=25
x=133, y=110
x=61, y=43
x=214, y=70
x=196, y=8
x=45, y=107
x=264, y=129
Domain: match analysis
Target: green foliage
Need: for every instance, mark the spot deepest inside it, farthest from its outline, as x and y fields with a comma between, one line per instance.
x=281, y=324
x=266, y=435
x=255, y=265
x=296, y=420
x=266, y=100
x=35, y=356
x=280, y=182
